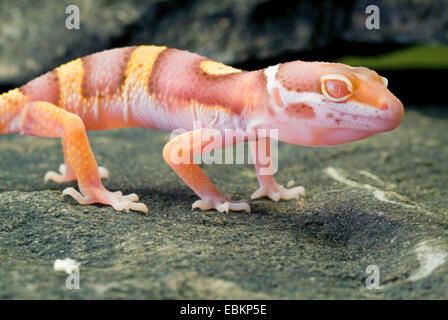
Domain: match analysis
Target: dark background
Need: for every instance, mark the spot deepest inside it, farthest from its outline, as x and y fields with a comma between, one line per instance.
x=248, y=34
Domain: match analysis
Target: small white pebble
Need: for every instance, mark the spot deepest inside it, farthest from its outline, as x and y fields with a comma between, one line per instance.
x=290, y=183
x=67, y=265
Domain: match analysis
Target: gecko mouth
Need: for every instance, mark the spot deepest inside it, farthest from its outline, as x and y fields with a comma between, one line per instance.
x=380, y=122
x=370, y=124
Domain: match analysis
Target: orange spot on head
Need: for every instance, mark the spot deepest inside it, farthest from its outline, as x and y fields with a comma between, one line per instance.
x=369, y=93
x=300, y=110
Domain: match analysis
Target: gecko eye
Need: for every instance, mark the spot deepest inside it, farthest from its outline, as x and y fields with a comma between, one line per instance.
x=336, y=87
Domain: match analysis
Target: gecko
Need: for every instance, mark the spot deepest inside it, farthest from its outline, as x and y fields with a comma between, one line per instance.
x=160, y=88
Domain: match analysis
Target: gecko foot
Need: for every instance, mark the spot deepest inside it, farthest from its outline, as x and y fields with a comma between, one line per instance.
x=277, y=192
x=222, y=206
x=65, y=175
x=117, y=200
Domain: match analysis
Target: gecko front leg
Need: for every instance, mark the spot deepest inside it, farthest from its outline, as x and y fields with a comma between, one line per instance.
x=178, y=154
x=261, y=153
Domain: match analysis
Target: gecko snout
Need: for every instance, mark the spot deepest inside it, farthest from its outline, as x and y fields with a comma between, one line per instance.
x=394, y=111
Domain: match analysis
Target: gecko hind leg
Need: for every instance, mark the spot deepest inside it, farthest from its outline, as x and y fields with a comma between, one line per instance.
x=48, y=120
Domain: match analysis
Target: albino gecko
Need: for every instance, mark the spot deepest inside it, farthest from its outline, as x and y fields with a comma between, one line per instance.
x=309, y=103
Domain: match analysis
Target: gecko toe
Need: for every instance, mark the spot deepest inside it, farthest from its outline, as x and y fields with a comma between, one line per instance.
x=116, y=199
x=104, y=173
x=277, y=192
x=64, y=175
x=77, y=196
x=202, y=205
x=222, y=206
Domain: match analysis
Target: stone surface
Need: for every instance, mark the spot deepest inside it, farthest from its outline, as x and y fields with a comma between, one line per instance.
x=381, y=201
x=34, y=39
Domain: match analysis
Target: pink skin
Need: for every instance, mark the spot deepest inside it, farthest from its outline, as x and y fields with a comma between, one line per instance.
x=326, y=122
x=309, y=103
x=304, y=115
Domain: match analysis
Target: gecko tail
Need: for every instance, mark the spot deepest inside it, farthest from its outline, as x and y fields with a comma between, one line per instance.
x=11, y=105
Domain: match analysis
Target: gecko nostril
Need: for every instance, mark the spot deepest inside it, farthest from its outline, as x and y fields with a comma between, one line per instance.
x=395, y=110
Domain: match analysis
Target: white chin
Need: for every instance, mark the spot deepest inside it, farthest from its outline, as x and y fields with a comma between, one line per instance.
x=340, y=136
x=318, y=136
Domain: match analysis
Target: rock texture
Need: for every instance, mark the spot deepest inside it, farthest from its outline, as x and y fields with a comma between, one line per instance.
x=381, y=201
x=34, y=39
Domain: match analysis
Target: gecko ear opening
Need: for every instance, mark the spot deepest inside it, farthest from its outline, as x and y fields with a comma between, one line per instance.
x=336, y=87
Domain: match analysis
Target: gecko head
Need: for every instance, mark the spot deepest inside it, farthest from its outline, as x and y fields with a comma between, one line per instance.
x=316, y=103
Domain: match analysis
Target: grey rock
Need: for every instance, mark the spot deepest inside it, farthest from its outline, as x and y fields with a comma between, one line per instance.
x=33, y=37
x=316, y=248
